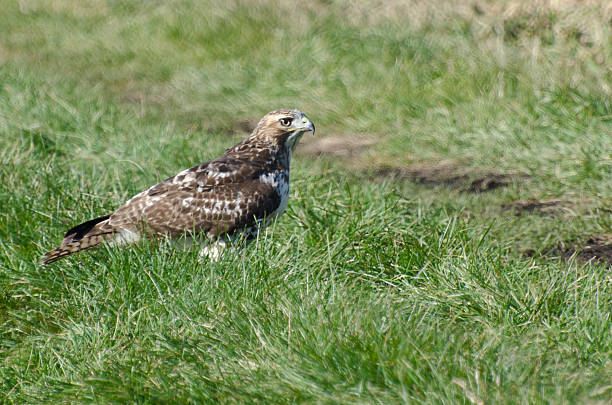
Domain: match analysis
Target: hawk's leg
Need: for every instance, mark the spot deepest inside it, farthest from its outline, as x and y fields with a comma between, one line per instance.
x=213, y=251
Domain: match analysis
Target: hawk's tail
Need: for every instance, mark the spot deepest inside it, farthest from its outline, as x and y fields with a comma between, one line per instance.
x=84, y=236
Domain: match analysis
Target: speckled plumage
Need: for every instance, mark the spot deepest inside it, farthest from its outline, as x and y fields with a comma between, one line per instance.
x=229, y=197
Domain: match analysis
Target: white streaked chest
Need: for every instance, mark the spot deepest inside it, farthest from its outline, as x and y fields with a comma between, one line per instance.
x=280, y=181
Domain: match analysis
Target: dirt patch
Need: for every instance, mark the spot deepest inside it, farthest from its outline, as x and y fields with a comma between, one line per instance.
x=341, y=145
x=453, y=175
x=596, y=248
x=443, y=173
x=490, y=181
x=548, y=207
x=553, y=207
x=246, y=125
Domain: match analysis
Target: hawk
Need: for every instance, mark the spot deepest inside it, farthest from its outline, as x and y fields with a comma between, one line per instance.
x=227, y=199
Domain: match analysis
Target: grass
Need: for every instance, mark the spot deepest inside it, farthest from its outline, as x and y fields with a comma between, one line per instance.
x=366, y=290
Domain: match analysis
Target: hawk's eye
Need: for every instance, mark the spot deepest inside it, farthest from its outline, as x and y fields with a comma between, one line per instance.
x=286, y=121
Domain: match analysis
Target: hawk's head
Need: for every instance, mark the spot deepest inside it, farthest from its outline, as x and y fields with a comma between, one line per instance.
x=283, y=127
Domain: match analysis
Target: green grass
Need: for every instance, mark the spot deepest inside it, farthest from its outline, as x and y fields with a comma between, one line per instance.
x=365, y=291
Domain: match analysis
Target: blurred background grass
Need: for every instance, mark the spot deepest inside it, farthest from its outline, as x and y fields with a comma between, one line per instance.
x=417, y=105
x=429, y=80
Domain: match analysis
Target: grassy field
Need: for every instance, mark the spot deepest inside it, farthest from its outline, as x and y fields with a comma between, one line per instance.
x=448, y=237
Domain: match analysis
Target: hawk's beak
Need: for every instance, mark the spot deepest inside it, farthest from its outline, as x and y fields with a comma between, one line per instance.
x=308, y=125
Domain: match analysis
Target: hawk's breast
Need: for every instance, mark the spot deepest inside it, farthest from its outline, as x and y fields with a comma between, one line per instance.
x=279, y=180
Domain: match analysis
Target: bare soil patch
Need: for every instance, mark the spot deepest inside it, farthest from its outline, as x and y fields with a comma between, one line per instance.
x=596, y=248
x=547, y=207
x=453, y=175
x=566, y=207
x=341, y=145
x=246, y=125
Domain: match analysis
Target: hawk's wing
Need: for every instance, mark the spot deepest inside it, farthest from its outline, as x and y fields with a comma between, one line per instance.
x=217, y=197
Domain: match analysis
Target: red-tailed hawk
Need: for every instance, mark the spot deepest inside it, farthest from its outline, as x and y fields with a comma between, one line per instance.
x=226, y=199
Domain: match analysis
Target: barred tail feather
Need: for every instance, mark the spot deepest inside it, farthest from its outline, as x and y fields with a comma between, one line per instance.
x=70, y=248
x=82, y=237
